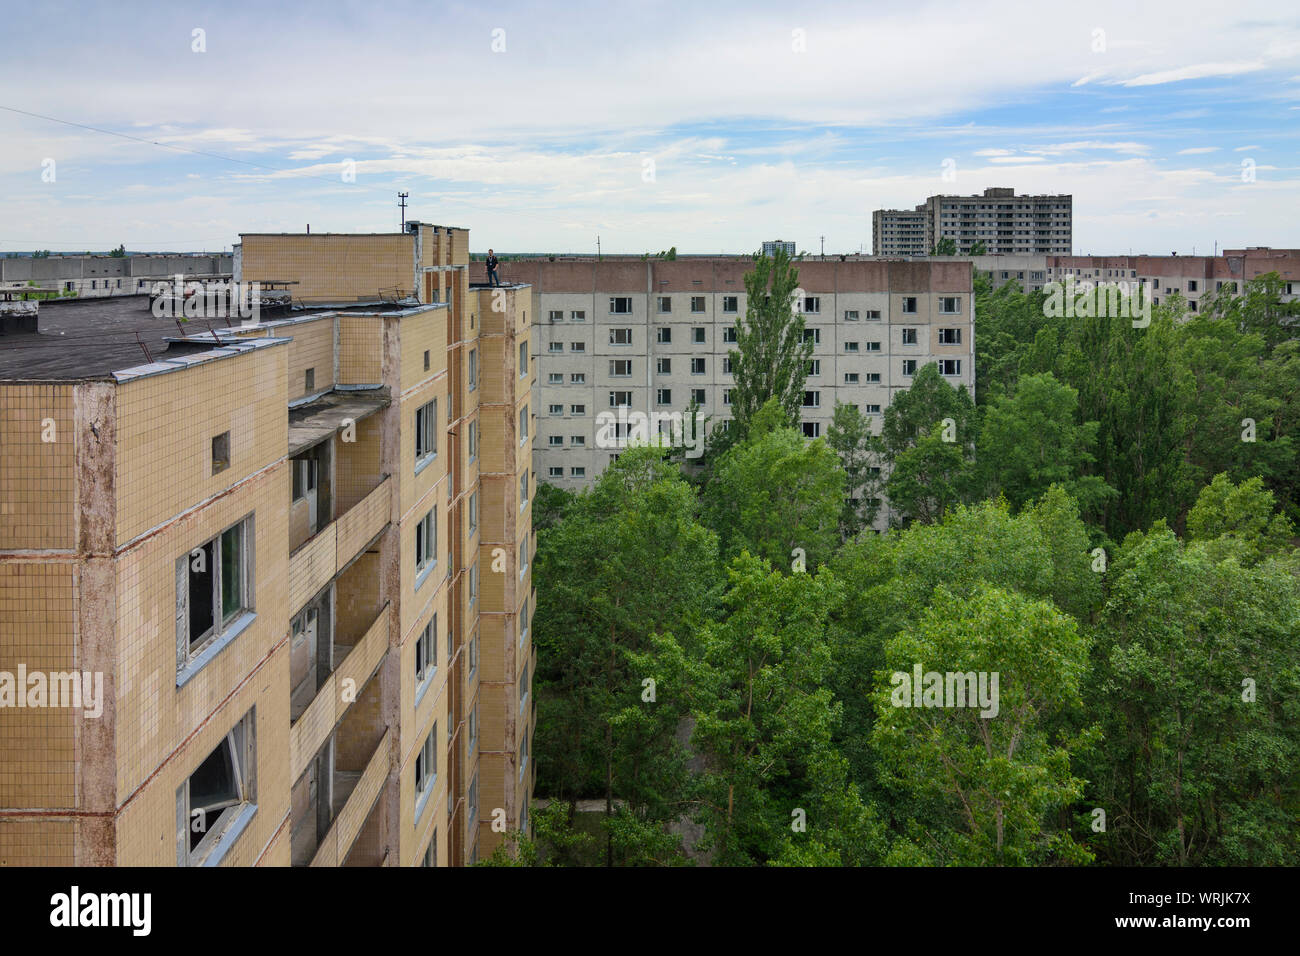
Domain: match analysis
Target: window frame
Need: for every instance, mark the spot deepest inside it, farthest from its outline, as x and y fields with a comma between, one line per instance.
x=222, y=833
x=190, y=656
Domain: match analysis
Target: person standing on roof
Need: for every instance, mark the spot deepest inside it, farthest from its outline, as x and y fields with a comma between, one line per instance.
x=492, y=269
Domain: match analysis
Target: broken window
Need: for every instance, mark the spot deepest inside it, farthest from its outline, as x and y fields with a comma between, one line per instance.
x=215, y=794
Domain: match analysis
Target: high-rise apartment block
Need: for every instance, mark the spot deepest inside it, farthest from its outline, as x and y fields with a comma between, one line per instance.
x=898, y=232
x=1004, y=222
x=773, y=246
x=265, y=591
x=636, y=341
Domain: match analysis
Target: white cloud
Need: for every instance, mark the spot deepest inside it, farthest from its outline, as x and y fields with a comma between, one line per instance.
x=1194, y=150
x=1196, y=71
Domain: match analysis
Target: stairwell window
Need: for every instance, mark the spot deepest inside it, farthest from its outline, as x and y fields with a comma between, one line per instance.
x=620, y=336
x=620, y=304
x=472, y=440
x=220, y=452
x=473, y=369
x=950, y=336
x=523, y=359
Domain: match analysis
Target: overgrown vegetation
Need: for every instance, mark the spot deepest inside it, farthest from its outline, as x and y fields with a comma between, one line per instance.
x=718, y=656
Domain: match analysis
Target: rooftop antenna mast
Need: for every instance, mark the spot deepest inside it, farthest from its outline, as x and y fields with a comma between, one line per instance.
x=401, y=201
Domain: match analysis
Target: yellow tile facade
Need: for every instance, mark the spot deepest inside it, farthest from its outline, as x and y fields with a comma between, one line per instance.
x=101, y=526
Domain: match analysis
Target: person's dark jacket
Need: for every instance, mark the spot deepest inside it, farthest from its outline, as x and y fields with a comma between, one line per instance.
x=492, y=263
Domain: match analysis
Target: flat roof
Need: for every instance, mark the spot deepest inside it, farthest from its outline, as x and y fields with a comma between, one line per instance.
x=90, y=339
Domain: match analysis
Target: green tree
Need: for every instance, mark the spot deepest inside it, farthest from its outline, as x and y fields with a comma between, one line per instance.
x=627, y=561
x=772, y=787
x=119, y=252
x=1030, y=440
x=850, y=437
x=946, y=246
x=771, y=354
x=1196, y=679
x=1239, y=520
x=929, y=438
x=998, y=777
x=978, y=248
x=929, y=477
x=776, y=492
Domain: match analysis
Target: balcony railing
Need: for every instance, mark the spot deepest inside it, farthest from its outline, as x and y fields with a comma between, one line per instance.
x=343, y=833
x=317, y=561
x=327, y=708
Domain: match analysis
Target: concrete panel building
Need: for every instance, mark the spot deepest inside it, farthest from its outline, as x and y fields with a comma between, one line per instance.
x=1005, y=223
x=1191, y=277
x=98, y=277
x=292, y=562
x=898, y=232
x=646, y=338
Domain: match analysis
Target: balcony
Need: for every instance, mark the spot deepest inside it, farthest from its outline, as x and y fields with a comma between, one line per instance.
x=355, y=795
x=313, y=565
x=313, y=727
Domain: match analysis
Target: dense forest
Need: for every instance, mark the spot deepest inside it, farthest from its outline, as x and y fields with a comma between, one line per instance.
x=1108, y=528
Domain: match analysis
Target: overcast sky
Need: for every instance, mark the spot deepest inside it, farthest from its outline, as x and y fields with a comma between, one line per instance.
x=708, y=126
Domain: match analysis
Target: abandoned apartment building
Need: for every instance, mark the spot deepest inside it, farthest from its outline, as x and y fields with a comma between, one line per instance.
x=298, y=551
